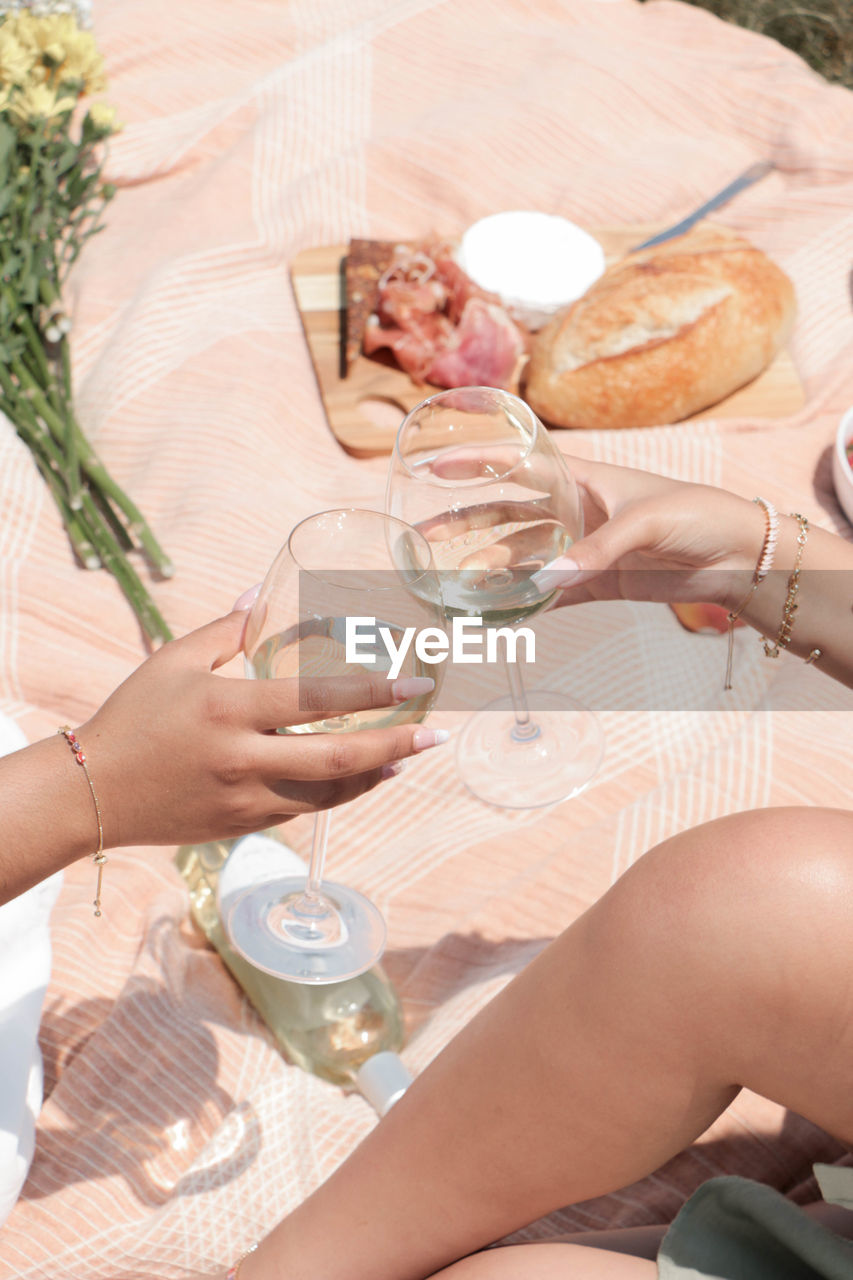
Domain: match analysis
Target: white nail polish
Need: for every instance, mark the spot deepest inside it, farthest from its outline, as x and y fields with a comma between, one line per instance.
x=561, y=572
x=423, y=739
x=247, y=599
x=412, y=687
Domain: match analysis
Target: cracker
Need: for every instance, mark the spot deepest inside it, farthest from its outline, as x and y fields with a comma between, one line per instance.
x=365, y=263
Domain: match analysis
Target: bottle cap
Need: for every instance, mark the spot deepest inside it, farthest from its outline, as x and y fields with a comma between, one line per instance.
x=382, y=1080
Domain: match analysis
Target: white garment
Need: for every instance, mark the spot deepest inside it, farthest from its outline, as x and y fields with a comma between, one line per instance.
x=24, y=975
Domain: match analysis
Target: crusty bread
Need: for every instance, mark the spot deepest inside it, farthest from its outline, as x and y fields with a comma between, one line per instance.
x=662, y=334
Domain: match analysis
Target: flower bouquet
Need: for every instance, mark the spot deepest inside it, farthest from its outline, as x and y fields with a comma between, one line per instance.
x=52, y=198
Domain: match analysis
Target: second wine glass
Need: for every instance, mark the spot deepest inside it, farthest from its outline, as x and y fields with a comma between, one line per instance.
x=474, y=470
x=336, y=567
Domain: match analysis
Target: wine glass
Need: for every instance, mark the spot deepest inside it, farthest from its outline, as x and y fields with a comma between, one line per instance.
x=476, y=472
x=338, y=570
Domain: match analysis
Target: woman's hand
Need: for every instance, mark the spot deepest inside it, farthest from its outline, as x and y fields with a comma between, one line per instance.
x=647, y=537
x=651, y=538
x=178, y=753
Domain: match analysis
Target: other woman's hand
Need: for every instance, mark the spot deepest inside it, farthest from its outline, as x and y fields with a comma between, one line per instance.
x=651, y=538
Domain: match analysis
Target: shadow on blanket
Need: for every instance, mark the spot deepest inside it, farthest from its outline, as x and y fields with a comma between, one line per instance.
x=131, y=1117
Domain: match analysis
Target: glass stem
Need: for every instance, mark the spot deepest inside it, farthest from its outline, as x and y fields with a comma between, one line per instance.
x=524, y=729
x=313, y=885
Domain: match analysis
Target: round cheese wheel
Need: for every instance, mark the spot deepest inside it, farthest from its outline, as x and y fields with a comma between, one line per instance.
x=536, y=263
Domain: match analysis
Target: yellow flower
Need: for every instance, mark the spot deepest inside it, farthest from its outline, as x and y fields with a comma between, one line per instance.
x=53, y=32
x=56, y=43
x=54, y=53
x=38, y=102
x=102, y=114
x=15, y=59
x=83, y=62
x=103, y=117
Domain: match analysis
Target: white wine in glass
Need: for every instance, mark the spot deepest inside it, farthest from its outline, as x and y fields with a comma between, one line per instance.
x=337, y=565
x=474, y=470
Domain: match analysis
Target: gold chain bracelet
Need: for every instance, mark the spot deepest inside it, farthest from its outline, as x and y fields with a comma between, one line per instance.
x=99, y=858
x=772, y=648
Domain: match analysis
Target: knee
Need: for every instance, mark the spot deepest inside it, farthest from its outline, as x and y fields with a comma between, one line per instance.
x=764, y=855
x=752, y=909
x=771, y=864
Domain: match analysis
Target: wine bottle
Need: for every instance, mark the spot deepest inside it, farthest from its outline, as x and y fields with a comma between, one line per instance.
x=331, y=1030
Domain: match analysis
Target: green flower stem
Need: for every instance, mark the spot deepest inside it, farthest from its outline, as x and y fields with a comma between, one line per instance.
x=113, y=521
x=53, y=198
x=94, y=541
x=72, y=459
x=101, y=479
x=95, y=471
x=31, y=386
x=40, y=368
x=83, y=222
x=51, y=386
x=48, y=460
x=125, y=575
x=19, y=409
x=96, y=545
x=70, y=258
x=29, y=207
x=47, y=293
x=77, y=532
x=34, y=340
x=97, y=475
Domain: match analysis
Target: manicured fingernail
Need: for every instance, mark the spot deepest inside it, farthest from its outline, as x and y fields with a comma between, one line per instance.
x=391, y=770
x=411, y=687
x=423, y=739
x=561, y=572
x=247, y=599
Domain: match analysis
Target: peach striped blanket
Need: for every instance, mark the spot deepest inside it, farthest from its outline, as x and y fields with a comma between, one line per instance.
x=173, y=1131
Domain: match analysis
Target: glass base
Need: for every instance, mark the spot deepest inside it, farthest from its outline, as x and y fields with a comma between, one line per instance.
x=555, y=762
x=269, y=928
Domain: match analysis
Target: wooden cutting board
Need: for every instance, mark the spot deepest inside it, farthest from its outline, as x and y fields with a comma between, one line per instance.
x=365, y=408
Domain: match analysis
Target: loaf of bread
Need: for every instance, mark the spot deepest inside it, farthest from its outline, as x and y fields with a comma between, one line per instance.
x=662, y=334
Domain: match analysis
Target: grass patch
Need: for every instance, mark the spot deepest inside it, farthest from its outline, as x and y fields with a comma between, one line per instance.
x=820, y=31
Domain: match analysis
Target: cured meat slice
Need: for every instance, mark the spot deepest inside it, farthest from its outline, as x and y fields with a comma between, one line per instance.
x=460, y=287
x=441, y=327
x=413, y=342
x=487, y=350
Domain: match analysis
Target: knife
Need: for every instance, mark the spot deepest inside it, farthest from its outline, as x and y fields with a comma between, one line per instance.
x=746, y=179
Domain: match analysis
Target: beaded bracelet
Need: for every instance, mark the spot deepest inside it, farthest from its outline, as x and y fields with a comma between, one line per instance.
x=234, y=1272
x=99, y=858
x=772, y=648
x=762, y=568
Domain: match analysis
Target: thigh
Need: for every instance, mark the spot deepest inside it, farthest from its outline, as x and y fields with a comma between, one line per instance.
x=549, y=1262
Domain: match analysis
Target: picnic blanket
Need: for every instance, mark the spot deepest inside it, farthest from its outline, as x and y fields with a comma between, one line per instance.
x=173, y=1131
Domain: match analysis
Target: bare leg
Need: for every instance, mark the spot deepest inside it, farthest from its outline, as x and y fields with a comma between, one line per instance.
x=550, y=1262
x=611, y=1052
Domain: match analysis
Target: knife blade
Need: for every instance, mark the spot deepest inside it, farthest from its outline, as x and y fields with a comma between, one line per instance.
x=753, y=174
